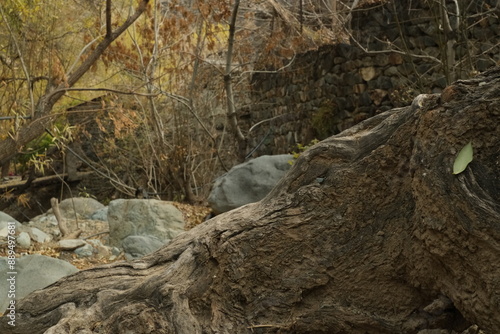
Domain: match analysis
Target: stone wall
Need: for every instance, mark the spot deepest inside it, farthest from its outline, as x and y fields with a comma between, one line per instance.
x=397, y=51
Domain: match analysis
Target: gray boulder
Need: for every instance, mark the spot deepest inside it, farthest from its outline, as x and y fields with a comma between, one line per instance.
x=101, y=214
x=40, y=236
x=85, y=251
x=45, y=219
x=136, y=246
x=248, y=182
x=71, y=208
x=83, y=207
x=4, y=228
x=100, y=250
x=128, y=217
x=33, y=272
x=6, y=218
x=24, y=233
x=23, y=240
x=70, y=244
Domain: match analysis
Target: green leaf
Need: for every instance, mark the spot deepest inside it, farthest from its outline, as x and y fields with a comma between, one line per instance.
x=463, y=158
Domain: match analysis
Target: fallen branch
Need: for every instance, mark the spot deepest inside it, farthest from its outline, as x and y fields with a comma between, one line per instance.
x=61, y=222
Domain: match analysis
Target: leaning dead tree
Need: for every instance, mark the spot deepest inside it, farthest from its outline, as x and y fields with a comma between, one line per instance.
x=369, y=232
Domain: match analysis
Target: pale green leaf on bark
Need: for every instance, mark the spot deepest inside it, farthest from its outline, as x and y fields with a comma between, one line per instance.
x=463, y=159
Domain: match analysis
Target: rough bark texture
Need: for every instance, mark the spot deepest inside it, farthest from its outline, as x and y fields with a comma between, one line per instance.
x=370, y=232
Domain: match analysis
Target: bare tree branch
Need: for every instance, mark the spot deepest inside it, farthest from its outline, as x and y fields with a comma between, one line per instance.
x=109, y=28
x=23, y=64
x=231, y=110
x=32, y=130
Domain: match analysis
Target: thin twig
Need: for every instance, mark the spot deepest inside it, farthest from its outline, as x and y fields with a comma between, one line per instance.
x=265, y=326
x=275, y=71
x=264, y=121
x=391, y=50
x=67, y=89
x=185, y=102
x=95, y=235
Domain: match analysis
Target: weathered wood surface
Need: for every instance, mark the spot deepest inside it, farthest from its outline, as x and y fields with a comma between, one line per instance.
x=370, y=232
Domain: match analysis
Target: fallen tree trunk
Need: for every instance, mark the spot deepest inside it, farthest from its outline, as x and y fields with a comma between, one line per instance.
x=369, y=232
x=21, y=185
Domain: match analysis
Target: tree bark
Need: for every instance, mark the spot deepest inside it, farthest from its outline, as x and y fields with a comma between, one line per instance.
x=369, y=232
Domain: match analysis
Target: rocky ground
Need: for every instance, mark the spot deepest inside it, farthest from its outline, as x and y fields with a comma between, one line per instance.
x=193, y=215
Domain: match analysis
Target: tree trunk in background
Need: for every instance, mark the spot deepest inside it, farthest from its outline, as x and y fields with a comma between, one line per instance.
x=369, y=232
x=228, y=86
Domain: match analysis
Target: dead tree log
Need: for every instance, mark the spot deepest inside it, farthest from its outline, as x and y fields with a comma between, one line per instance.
x=369, y=232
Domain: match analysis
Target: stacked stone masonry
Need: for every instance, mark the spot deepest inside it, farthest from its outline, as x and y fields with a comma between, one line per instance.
x=397, y=51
